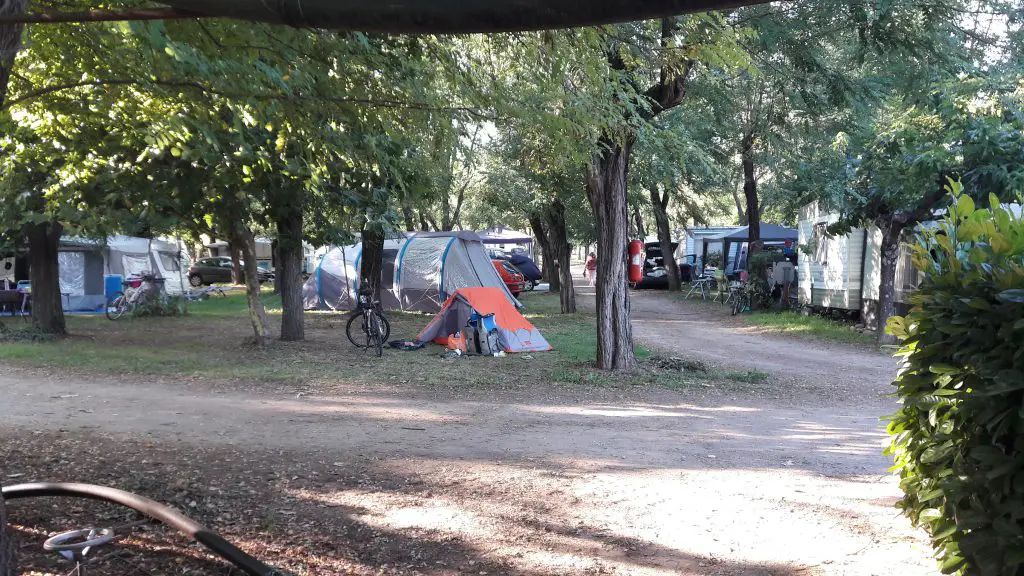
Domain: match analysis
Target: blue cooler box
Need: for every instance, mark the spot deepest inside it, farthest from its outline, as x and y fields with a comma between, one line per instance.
x=112, y=285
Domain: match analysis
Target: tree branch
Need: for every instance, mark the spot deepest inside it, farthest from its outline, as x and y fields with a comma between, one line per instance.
x=266, y=96
x=102, y=16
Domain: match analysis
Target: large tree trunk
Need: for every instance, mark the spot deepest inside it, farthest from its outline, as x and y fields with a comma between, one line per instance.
x=659, y=205
x=236, y=264
x=606, y=189
x=7, y=567
x=372, y=260
x=246, y=243
x=750, y=192
x=47, y=308
x=548, y=270
x=288, y=274
x=563, y=254
x=890, y=253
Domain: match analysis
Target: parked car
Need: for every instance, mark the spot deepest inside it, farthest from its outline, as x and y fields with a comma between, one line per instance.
x=216, y=270
x=655, y=275
x=512, y=277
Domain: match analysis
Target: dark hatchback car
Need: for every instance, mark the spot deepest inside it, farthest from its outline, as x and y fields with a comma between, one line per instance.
x=217, y=270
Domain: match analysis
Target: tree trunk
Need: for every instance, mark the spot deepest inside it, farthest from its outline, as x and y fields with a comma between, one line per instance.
x=659, y=205
x=563, y=254
x=890, y=253
x=7, y=567
x=741, y=211
x=47, y=308
x=10, y=41
x=246, y=243
x=407, y=214
x=288, y=274
x=236, y=265
x=275, y=264
x=750, y=192
x=548, y=271
x=423, y=223
x=638, y=219
x=606, y=190
x=372, y=260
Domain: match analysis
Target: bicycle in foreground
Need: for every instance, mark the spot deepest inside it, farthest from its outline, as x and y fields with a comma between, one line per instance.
x=82, y=547
x=372, y=329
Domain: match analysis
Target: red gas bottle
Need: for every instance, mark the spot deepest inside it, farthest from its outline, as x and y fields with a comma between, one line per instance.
x=636, y=261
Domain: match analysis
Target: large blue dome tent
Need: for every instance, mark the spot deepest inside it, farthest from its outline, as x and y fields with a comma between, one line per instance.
x=418, y=273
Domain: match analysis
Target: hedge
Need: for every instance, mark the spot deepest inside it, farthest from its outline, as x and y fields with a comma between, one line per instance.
x=958, y=439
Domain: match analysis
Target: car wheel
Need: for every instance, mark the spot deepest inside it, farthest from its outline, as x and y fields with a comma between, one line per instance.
x=195, y=280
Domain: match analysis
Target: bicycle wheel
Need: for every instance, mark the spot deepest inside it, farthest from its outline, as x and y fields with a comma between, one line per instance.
x=116, y=306
x=354, y=336
x=737, y=304
x=375, y=331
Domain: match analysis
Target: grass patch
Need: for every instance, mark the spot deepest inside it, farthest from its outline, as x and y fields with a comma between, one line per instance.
x=807, y=326
x=212, y=343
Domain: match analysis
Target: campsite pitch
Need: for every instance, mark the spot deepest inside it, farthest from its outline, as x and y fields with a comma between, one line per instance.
x=324, y=461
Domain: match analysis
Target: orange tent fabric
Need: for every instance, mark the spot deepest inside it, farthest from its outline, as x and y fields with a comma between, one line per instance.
x=516, y=333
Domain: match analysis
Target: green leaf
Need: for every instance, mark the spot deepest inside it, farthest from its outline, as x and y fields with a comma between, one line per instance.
x=964, y=207
x=175, y=151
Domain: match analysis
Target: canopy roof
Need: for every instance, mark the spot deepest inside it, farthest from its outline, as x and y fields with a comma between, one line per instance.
x=504, y=236
x=769, y=233
x=449, y=16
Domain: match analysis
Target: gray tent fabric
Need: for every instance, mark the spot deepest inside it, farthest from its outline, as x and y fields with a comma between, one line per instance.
x=426, y=268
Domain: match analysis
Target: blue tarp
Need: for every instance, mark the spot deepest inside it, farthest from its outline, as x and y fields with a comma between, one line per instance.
x=525, y=265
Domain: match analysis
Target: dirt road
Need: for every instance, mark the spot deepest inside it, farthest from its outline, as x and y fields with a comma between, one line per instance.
x=607, y=481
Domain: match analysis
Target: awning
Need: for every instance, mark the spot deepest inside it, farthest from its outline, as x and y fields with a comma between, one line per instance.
x=768, y=233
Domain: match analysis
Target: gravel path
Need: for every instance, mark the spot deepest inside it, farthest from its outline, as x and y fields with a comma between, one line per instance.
x=643, y=481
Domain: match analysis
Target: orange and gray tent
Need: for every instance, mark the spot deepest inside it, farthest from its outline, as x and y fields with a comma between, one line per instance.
x=515, y=333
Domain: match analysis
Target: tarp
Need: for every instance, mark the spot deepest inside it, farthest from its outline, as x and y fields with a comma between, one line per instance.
x=769, y=233
x=515, y=333
x=525, y=265
x=418, y=274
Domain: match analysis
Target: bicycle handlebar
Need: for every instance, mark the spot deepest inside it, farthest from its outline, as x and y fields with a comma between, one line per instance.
x=151, y=508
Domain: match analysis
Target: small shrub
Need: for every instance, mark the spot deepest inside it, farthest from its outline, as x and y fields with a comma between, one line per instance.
x=167, y=306
x=958, y=440
x=757, y=287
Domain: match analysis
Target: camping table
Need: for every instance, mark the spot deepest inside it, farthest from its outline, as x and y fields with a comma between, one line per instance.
x=702, y=284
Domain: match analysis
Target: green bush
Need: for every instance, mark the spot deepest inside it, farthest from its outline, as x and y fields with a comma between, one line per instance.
x=758, y=288
x=958, y=440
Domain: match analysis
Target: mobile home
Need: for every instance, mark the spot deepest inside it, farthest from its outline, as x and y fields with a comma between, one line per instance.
x=844, y=272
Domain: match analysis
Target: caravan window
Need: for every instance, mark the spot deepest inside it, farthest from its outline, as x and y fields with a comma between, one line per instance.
x=820, y=236
x=169, y=261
